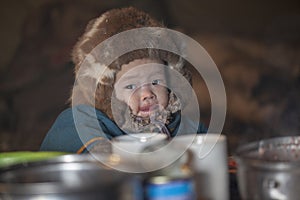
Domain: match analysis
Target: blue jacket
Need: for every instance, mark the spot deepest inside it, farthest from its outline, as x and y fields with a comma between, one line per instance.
x=77, y=129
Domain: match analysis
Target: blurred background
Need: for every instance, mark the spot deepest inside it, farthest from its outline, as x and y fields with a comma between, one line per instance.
x=255, y=44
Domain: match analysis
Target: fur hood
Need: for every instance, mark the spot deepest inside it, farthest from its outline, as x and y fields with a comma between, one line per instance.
x=98, y=30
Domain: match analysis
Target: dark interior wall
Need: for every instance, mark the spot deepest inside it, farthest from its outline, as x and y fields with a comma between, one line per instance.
x=233, y=15
x=255, y=45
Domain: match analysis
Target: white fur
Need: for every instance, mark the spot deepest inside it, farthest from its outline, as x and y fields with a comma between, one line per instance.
x=90, y=34
x=94, y=28
x=97, y=70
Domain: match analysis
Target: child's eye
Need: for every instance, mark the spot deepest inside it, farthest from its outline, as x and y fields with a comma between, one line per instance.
x=130, y=87
x=156, y=82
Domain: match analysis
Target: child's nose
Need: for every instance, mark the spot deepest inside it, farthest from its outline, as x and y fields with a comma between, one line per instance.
x=146, y=93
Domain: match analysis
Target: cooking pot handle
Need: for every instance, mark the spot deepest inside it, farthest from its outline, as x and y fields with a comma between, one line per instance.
x=272, y=189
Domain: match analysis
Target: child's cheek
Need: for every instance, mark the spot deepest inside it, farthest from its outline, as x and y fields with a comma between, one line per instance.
x=133, y=105
x=163, y=96
x=118, y=93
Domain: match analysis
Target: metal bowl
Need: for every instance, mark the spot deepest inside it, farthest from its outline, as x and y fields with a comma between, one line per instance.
x=269, y=169
x=67, y=177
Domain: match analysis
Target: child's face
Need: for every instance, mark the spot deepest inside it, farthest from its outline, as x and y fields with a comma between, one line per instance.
x=141, y=85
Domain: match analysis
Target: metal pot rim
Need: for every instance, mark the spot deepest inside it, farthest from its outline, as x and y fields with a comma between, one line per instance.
x=65, y=162
x=242, y=155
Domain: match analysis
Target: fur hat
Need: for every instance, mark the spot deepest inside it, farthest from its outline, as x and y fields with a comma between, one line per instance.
x=98, y=30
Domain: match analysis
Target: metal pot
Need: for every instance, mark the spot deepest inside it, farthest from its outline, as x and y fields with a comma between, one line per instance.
x=67, y=177
x=269, y=169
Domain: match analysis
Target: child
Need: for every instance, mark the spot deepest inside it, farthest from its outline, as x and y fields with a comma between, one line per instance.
x=130, y=94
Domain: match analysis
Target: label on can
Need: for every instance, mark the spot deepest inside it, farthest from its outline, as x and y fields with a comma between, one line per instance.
x=167, y=188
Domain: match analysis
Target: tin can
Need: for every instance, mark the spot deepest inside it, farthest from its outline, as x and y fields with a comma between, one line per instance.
x=170, y=188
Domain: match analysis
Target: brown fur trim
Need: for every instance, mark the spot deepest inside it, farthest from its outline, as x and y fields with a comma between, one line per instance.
x=108, y=24
x=97, y=73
